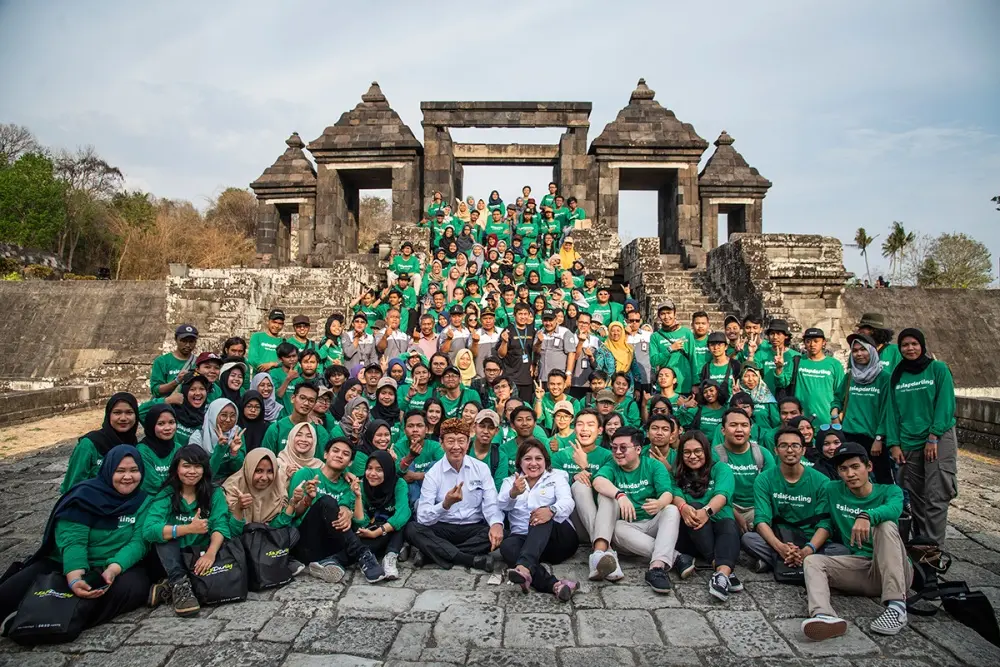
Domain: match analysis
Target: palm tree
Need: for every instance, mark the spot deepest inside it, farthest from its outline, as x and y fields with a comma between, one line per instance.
x=861, y=242
x=895, y=246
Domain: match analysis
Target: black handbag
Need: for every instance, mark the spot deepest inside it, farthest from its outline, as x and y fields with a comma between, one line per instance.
x=785, y=574
x=268, y=552
x=226, y=580
x=970, y=608
x=49, y=613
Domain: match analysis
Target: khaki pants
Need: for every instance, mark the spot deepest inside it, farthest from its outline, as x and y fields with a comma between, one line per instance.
x=585, y=512
x=931, y=486
x=887, y=574
x=747, y=513
x=655, y=539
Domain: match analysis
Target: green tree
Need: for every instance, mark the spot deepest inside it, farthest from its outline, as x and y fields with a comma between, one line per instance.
x=862, y=241
x=961, y=261
x=32, y=207
x=235, y=209
x=132, y=215
x=928, y=274
x=896, y=245
x=92, y=182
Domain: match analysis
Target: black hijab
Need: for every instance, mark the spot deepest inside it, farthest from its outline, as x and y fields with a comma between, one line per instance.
x=162, y=448
x=340, y=403
x=232, y=394
x=95, y=502
x=366, y=444
x=187, y=414
x=254, y=429
x=911, y=366
x=327, y=336
x=106, y=437
x=390, y=413
x=377, y=498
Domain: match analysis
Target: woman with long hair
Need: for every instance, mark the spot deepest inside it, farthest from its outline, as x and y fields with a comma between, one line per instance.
x=95, y=527
x=538, y=503
x=434, y=412
x=121, y=422
x=157, y=446
x=703, y=488
x=186, y=515
x=705, y=414
x=611, y=423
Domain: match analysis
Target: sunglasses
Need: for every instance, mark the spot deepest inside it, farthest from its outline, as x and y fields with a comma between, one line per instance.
x=620, y=448
x=835, y=427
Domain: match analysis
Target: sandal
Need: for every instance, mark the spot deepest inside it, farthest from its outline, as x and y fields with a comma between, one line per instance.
x=515, y=576
x=564, y=589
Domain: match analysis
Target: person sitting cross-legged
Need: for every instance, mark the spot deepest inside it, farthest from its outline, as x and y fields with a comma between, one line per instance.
x=538, y=504
x=790, y=509
x=636, y=489
x=458, y=520
x=864, y=517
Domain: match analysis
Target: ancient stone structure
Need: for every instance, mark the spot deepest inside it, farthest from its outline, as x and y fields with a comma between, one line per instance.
x=309, y=216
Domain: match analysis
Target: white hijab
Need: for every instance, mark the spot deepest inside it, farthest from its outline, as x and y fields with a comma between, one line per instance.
x=207, y=437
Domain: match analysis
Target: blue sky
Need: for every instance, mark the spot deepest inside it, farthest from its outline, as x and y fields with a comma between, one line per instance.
x=860, y=113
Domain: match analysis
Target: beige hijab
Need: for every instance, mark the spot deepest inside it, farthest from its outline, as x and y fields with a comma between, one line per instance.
x=266, y=503
x=290, y=461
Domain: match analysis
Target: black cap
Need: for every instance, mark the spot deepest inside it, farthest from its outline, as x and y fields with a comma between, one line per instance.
x=548, y=314
x=717, y=337
x=373, y=367
x=730, y=318
x=780, y=326
x=440, y=212
x=185, y=331
x=862, y=337
x=359, y=316
x=451, y=369
x=403, y=276
x=405, y=244
x=849, y=450
x=813, y=332
x=487, y=311
x=300, y=319
x=456, y=310
x=276, y=314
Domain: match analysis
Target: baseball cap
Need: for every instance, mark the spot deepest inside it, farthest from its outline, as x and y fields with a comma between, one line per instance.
x=861, y=337
x=548, y=314
x=666, y=305
x=813, y=332
x=849, y=450
x=456, y=310
x=605, y=396
x=565, y=406
x=487, y=312
x=451, y=369
x=359, y=316
x=276, y=314
x=403, y=276
x=781, y=326
x=374, y=366
x=207, y=356
x=717, y=337
x=185, y=331
x=730, y=318
x=485, y=414
x=322, y=391
x=440, y=213
x=300, y=319
x=406, y=244
x=385, y=382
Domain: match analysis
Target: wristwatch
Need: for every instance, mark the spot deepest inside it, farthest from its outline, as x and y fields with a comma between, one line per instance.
x=709, y=511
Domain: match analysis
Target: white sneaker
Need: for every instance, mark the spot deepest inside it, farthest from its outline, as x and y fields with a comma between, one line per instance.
x=821, y=627
x=601, y=565
x=328, y=570
x=889, y=622
x=389, y=565
x=616, y=574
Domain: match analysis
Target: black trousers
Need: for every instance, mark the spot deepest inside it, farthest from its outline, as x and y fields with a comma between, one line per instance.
x=129, y=591
x=526, y=393
x=717, y=540
x=881, y=464
x=318, y=539
x=549, y=542
x=449, y=544
x=383, y=544
x=578, y=392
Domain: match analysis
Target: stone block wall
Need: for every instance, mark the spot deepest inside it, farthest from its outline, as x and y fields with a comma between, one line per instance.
x=978, y=421
x=22, y=406
x=797, y=277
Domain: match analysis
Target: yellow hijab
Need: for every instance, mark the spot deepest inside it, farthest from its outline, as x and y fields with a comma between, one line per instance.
x=467, y=373
x=463, y=212
x=267, y=503
x=622, y=351
x=567, y=256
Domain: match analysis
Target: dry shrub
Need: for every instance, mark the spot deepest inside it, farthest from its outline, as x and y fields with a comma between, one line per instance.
x=180, y=234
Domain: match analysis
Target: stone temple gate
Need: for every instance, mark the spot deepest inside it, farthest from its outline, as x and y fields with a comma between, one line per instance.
x=308, y=214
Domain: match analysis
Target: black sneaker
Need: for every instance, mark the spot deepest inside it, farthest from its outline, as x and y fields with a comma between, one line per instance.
x=158, y=594
x=735, y=585
x=371, y=568
x=417, y=557
x=404, y=553
x=684, y=565
x=185, y=603
x=718, y=586
x=759, y=566
x=484, y=563
x=658, y=580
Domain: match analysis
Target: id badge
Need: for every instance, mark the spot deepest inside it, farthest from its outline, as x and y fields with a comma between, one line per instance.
x=524, y=359
x=585, y=363
x=644, y=347
x=557, y=343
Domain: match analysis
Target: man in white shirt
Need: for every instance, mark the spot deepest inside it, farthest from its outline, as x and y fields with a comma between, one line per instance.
x=455, y=336
x=458, y=520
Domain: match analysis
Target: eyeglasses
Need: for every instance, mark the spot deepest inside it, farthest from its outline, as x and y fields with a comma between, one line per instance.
x=694, y=454
x=788, y=446
x=835, y=427
x=620, y=448
x=631, y=320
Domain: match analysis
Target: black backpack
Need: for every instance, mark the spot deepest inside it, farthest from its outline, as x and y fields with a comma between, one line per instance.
x=789, y=391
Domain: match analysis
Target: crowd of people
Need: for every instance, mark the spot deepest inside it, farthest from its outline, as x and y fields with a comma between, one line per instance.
x=494, y=408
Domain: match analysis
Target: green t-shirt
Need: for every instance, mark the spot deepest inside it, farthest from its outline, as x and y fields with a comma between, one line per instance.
x=430, y=454
x=161, y=513
x=276, y=436
x=818, y=386
x=884, y=503
x=680, y=361
x=597, y=458
x=398, y=510
x=339, y=490
x=720, y=482
x=919, y=405
x=80, y=547
x=156, y=469
x=165, y=369
x=548, y=408
x=865, y=409
x=400, y=264
x=263, y=348
x=83, y=464
x=649, y=480
x=776, y=501
x=710, y=422
x=606, y=312
x=453, y=407
x=745, y=474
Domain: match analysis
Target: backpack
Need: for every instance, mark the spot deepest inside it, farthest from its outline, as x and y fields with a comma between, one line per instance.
x=722, y=454
x=789, y=391
x=732, y=369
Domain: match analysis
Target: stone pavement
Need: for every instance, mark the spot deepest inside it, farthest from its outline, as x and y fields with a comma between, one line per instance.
x=436, y=617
